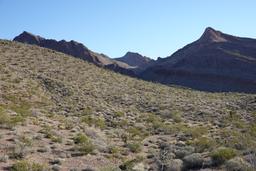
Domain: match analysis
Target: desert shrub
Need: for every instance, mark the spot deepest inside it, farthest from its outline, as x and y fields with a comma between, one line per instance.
x=114, y=150
x=237, y=164
x=175, y=115
x=25, y=140
x=18, y=152
x=236, y=139
x=25, y=165
x=133, y=131
x=83, y=144
x=50, y=134
x=97, y=122
x=128, y=165
x=136, y=133
x=9, y=121
x=4, y=118
x=87, y=111
x=203, y=143
x=193, y=161
x=252, y=130
x=223, y=154
x=151, y=118
x=134, y=147
x=196, y=132
x=123, y=123
x=80, y=138
x=119, y=114
x=22, y=109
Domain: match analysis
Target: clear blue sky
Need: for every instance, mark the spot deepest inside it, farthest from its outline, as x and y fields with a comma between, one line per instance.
x=151, y=27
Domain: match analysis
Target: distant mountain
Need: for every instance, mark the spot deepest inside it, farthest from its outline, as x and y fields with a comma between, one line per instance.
x=216, y=62
x=135, y=60
x=76, y=49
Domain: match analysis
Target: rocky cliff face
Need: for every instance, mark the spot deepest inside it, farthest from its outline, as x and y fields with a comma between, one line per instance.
x=215, y=62
x=76, y=49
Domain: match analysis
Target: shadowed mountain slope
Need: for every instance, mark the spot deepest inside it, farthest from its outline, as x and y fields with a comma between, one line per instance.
x=216, y=62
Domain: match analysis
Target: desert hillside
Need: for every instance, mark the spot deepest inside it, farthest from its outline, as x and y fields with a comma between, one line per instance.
x=58, y=112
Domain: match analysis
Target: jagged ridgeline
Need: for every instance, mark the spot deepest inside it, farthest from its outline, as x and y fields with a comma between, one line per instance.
x=61, y=112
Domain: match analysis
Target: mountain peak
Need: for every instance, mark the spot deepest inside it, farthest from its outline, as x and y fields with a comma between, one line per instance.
x=27, y=33
x=28, y=38
x=211, y=35
x=133, y=54
x=135, y=59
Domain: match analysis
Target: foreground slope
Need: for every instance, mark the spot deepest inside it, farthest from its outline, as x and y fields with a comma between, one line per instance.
x=216, y=62
x=60, y=112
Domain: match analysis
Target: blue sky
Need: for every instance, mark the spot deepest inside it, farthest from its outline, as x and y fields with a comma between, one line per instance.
x=151, y=27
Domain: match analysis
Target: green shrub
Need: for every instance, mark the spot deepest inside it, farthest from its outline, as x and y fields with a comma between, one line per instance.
x=176, y=116
x=49, y=133
x=128, y=165
x=24, y=165
x=196, y=132
x=222, y=154
x=193, y=161
x=22, y=109
x=252, y=130
x=84, y=144
x=134, y=147
x=8, y=121
x=97, y=122
x=119, y=114
x=25, y=140
x=80, y=138
x=85, y=148
x=203, y=143
x=114, y=150
x=133, y=131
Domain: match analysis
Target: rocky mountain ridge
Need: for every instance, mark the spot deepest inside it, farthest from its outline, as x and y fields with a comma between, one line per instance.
x=216, y=62
x=76, y=49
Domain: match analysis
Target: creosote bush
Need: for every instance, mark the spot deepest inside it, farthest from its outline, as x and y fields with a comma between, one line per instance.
x=83, y=144
x=9, y=121
x=25, y=165
x=93, y=121
x=223, y=154
x=134, y=147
